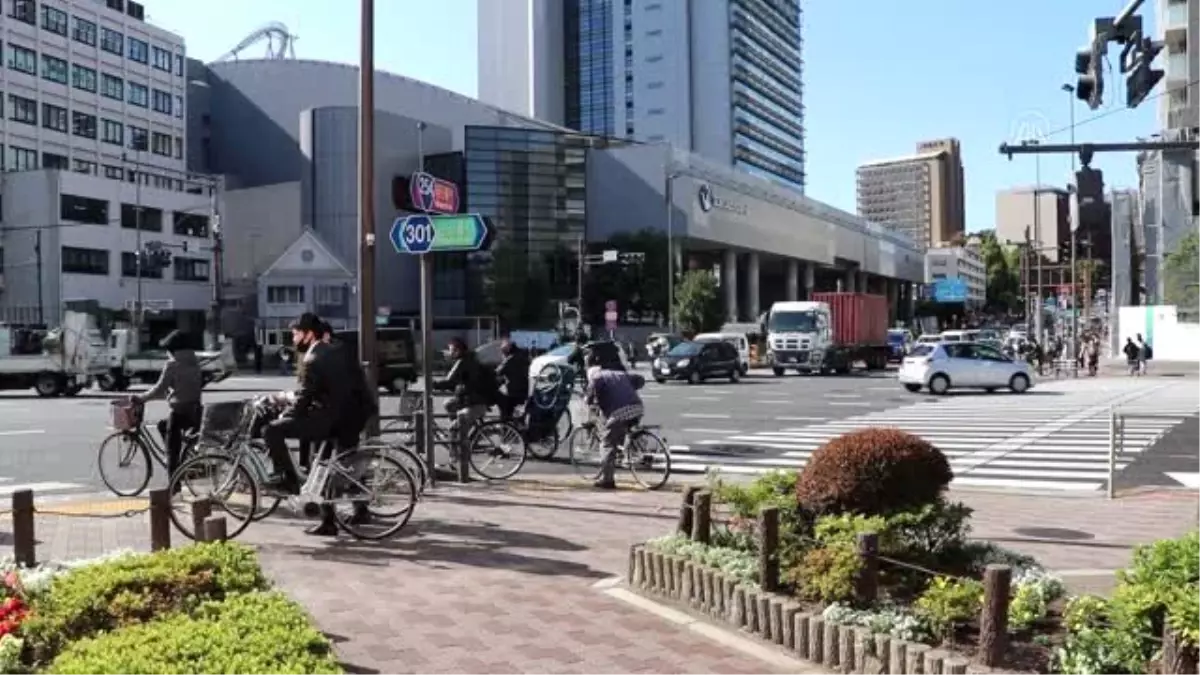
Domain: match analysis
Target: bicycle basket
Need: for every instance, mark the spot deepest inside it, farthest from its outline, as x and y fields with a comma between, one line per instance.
x=221, y=422
x=126, y=415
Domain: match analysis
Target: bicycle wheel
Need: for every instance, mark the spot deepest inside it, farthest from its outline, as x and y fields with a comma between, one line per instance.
x=227, y=485
x=131, y=460
x=383, y=477
x=498, y=450
x=406, y=456
x=583, y=446
x=649, y=459
x=546, y=445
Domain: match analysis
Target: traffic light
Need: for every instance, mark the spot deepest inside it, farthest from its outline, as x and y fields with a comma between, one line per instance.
x=155, y=257
x=1090, y=68
x=1141, y=77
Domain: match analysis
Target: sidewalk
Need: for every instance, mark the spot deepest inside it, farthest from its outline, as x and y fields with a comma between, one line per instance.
x=1114, y=367
x=501, y=578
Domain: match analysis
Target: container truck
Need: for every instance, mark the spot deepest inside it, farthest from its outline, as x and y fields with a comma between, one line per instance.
x=828, y=334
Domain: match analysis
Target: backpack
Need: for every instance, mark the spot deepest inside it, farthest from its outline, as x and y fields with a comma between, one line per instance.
x=487, y=386
x=1149, y=351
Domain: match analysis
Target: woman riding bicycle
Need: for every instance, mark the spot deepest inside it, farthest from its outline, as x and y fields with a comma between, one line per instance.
x=614, y=393
x=181, y=383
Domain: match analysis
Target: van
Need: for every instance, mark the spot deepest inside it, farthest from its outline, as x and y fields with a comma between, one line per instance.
x=739, y=342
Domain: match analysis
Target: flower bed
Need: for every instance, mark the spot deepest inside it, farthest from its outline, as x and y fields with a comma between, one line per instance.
x=206, y=608
x=904, y=589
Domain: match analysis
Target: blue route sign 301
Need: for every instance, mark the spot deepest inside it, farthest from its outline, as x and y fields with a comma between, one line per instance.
x=420, y=233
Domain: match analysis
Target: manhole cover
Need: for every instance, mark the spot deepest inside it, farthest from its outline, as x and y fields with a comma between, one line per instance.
x=1054, y=533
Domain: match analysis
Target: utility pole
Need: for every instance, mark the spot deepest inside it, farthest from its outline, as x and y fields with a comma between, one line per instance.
x=37, y=250
x=580, y=254
x=139, y=255
x=366, y=197
x=218, y=264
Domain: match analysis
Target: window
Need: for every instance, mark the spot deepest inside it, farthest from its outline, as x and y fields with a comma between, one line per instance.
x=161, y=144
x=113, y=172
x=191, y=224
x=285, y=295
x=23, y=10
x=138, y=50
x=179, y=147
x=54, y=20
x=139, y=94
x=129, y=268
x=21, y=109
x=113, y=132
x=83, y=210
x=152, y=219
x=21, y=159
x=329, y=296
x=139, y=138
x=162, y=101
x=84, y=261
x=179, y=65
x=112, y=87
x=83, y=124
x=83, y=78
x=162, y=59
x=54, y=69
x=179, y=107
x=21, y=59
x=54, y=117
x=190, y=269
x=53, y=161
x=85, y=32
x=112, y=42
x=83, y=166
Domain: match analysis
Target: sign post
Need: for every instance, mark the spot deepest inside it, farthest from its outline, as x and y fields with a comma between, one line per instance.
x=610, y=316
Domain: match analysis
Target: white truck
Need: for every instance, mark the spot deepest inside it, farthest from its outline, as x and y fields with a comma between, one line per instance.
x=829, y=334
x=121, y=364
x=57, y=362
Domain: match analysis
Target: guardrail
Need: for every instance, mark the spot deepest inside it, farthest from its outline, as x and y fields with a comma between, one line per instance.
x=1116, y=437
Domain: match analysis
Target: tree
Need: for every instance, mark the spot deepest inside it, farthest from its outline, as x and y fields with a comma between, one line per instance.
x=1181, y=273
x=516, y=287
x=697, y=303
x=640, y=288
x=1003, y=273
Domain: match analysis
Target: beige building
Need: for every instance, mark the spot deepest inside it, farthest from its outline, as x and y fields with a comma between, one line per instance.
x=921, y=195
x=1046, y=211
x=959, y=262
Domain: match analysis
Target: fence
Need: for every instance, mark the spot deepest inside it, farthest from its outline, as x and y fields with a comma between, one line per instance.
x=1116, y=438
x=23, y=511
x=695, y=522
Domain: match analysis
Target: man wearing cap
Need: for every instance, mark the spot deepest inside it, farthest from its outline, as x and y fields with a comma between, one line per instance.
x=322, y=397
x=181, y=383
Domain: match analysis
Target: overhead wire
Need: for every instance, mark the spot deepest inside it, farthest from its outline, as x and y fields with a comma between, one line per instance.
x=1116, y=110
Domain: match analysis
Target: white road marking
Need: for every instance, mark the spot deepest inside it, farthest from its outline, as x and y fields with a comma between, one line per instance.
x=703, y=398
x=698, y=430
x=706, y=416
x=23, y=432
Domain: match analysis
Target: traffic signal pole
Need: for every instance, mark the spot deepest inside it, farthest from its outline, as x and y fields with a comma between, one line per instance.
x=1085, y=150
x=366, y=199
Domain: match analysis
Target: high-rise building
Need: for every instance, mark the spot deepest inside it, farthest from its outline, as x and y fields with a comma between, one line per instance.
x=720, y=78
x=1179, y=23
x=920, y=196
x=1045, y=211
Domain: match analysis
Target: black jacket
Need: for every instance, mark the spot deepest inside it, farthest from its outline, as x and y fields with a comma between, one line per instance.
x=513, y=372
x=324, y=388
x=465, y=382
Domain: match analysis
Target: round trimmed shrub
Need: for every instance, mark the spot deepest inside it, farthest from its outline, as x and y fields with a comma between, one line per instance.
x=874, y=471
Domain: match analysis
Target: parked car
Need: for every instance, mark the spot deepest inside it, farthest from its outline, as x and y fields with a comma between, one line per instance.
x=899, y=341
x=739, y=342
x=963, y=365
x=697, y=362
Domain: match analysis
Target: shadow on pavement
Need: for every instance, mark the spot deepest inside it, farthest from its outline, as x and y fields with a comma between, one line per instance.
x=496, y=503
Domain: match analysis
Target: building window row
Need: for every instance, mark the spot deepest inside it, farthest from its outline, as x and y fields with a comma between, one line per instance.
x=92, y=211
x=84, y=31
x=96, y=261
x=54, y=117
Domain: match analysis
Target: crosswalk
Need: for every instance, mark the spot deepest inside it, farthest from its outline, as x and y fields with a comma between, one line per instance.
x=41, y=488
x=1057, y=440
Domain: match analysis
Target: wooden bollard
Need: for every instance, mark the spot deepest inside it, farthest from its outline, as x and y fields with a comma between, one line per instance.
x=685, y=510
x=24, y=542
x=993, y=619
x=201, y=510
x=160, y=520
x=215, y=529
x=768, y=548
x=867, y=584
x=702, y=517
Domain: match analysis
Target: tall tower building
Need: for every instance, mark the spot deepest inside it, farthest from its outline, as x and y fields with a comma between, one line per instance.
x=921, y=195
x=721, y=78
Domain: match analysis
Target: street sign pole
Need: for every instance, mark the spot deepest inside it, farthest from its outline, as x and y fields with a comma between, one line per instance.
x=426, y=315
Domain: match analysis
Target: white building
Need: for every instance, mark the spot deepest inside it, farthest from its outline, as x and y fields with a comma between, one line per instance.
x=94, y=126
x=720, y=78
x=959, y=262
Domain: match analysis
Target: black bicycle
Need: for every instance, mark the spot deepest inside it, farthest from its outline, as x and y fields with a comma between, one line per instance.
x=132, y=450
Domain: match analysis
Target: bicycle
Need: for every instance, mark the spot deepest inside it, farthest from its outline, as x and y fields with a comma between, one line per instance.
x=553, y=391
x=642, y=452
x=481, y=438
x=132, y=440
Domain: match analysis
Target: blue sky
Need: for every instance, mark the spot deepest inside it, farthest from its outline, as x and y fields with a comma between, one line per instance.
x=881, y=75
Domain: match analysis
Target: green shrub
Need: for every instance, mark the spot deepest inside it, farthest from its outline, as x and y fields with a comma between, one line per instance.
x=248, y=633
x=739, y=564
x=827, y=574
x=745, y=501
x=873, y=472
x=133, y=589
x=948, y=603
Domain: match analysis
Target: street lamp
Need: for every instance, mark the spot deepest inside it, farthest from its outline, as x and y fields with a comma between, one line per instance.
x=670, y=205
x=1070, y=91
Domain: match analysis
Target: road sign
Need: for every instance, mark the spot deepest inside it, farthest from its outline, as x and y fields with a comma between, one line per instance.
x=610, y=314
x=432, y=194
x=950, y=290
x=420, y=233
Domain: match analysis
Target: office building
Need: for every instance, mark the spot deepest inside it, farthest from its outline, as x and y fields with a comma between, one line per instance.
x=920, y=196
x=959, y=262
x=1044, y=211
x=93, y=131
x=719, y=78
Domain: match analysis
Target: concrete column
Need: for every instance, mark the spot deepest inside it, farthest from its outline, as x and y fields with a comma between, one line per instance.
x=793, y=280
x=730, y=271
x=752, y=291
x=862, y=282
x=810, y=279
x=848, y=281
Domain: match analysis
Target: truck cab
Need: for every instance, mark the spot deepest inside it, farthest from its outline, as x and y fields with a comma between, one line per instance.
x=798, y=335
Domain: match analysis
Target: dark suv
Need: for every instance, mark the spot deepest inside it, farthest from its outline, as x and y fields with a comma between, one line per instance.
x=697, y=362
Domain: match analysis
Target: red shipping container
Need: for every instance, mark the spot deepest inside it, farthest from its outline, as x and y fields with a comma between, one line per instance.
x=857, y=318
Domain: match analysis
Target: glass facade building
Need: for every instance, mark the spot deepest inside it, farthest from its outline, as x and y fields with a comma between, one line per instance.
x=768, y=107
x=588, y=40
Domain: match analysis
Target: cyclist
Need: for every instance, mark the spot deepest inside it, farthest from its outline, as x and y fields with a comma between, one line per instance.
x=513, y=373
x=473, y=388
x=614, y=393
x=181, y=383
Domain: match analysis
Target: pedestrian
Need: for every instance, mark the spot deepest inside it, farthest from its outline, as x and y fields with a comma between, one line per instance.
x=1144, y=354
x=473, y=390
x=614, y=393
x=513, y=374
x=1132, y=354
x=182, y=384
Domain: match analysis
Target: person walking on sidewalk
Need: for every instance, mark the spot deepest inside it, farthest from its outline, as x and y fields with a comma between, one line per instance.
x=614, y=392
x=1144, y=354
x=1132, y=355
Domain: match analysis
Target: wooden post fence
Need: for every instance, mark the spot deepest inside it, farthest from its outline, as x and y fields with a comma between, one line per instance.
x=867, y=586
x=685, y=509
x=160, y=520
x=215, y=529
x=702, y=517
x=768, y=548
x=24, y=542
x=993, y=619
x=201, y=510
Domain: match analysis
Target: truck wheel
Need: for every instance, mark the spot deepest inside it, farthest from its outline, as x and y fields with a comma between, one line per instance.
x=48, y=385
x=778, y=372
x=72, y=390
x=106, y=383
x=121, y=383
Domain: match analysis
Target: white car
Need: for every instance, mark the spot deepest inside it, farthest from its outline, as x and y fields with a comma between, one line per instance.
x=559, y=356
x=963, y=365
